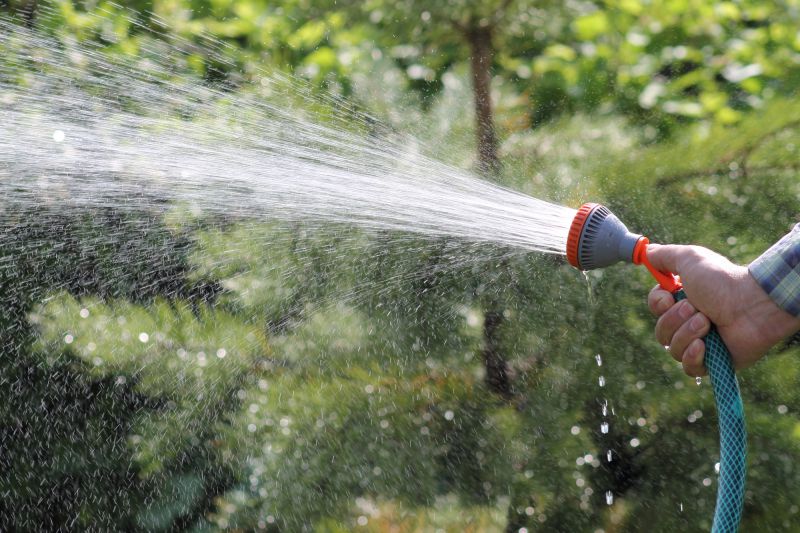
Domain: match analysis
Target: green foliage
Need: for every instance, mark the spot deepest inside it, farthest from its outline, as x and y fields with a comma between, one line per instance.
x=172, y=372
x=663, y=62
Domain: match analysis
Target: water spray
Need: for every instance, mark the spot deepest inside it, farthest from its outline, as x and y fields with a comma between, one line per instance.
x=598, y=239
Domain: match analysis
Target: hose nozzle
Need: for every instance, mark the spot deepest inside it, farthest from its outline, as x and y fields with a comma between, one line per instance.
x=597, y=239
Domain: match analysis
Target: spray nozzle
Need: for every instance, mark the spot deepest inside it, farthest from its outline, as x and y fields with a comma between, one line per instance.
x=597, y=239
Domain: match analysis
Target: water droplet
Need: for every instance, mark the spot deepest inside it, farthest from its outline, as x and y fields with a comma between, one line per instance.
x=599, y=360
x=221, y=353
x=698, y=380
x=68, y=339
x=449, y=415
x=84, y=313
x=604, y=408
x=681, y=506
x=601, y=381
x=609, y=497
x=59, y=136
x=609, y=455
x=716, y=468
x=144, y=337
x=604, y=428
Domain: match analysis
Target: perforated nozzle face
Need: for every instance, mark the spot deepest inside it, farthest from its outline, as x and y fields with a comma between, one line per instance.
x=598, y=239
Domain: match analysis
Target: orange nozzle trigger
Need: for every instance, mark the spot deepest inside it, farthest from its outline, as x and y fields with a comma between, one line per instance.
x=668, y=281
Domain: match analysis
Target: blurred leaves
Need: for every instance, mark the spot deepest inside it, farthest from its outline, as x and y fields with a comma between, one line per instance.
x=661, y=62
x=169, y=371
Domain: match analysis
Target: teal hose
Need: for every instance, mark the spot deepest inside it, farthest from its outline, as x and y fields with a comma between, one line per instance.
x=732, y=433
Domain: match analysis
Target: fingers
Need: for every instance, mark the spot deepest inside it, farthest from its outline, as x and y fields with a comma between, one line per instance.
x=659, y=301
x=693, y=358
x=667, y=257
x=669, y=323
x=682, y=329
x=679, y=327
x=694, y=329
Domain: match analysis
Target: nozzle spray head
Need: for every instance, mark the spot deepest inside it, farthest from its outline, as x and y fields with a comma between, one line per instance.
x=598, y=239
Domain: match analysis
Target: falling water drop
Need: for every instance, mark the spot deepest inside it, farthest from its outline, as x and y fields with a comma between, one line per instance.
x=604, y=428
x=601, y=381
x=609, y=497
x=599, y=360
x=604, y=408
x=609, y=455
x=698, y=380
x=588, y=286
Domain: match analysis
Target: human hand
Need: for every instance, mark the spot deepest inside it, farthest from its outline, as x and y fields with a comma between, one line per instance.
x=718, y=292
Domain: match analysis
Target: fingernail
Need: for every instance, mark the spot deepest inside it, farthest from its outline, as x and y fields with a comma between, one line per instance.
x=698, y=322
x=695, y=348
x=687, y=310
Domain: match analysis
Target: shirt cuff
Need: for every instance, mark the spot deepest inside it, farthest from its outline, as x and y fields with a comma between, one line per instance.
x=777, y=271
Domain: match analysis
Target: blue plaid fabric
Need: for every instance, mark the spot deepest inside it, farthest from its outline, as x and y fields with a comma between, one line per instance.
x=778, y=272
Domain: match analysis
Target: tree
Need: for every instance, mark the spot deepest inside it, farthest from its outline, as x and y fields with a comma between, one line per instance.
x=296, y=377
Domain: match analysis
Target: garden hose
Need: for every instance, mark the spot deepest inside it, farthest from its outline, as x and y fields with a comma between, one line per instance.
x=598, y=239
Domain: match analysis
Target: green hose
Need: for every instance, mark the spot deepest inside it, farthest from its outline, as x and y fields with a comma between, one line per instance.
x=732, y=433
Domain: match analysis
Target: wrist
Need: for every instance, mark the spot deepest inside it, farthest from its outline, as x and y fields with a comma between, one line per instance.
x=773, y=323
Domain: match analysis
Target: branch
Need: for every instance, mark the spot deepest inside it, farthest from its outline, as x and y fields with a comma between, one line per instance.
x=742, y=156
x=748, y=150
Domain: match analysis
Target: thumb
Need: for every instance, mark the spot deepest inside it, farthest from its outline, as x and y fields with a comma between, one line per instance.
x=666, y=257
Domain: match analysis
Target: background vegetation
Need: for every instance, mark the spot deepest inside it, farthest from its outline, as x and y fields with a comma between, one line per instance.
x=226, y=379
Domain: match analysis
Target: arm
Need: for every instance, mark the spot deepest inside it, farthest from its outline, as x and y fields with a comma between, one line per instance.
x=753, y=308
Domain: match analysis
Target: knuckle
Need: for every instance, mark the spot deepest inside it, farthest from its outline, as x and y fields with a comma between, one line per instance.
x=699, y=324
x=685, y=310
x=695, y=251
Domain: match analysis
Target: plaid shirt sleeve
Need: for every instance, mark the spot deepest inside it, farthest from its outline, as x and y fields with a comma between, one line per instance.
x=778, y=272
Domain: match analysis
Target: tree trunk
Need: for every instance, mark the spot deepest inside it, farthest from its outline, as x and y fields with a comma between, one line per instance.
x=28, y=11
x=497, y=379
x=482, y=52
x=25, y=9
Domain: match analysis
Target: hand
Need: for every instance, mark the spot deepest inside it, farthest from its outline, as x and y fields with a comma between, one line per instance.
x=719, y=292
